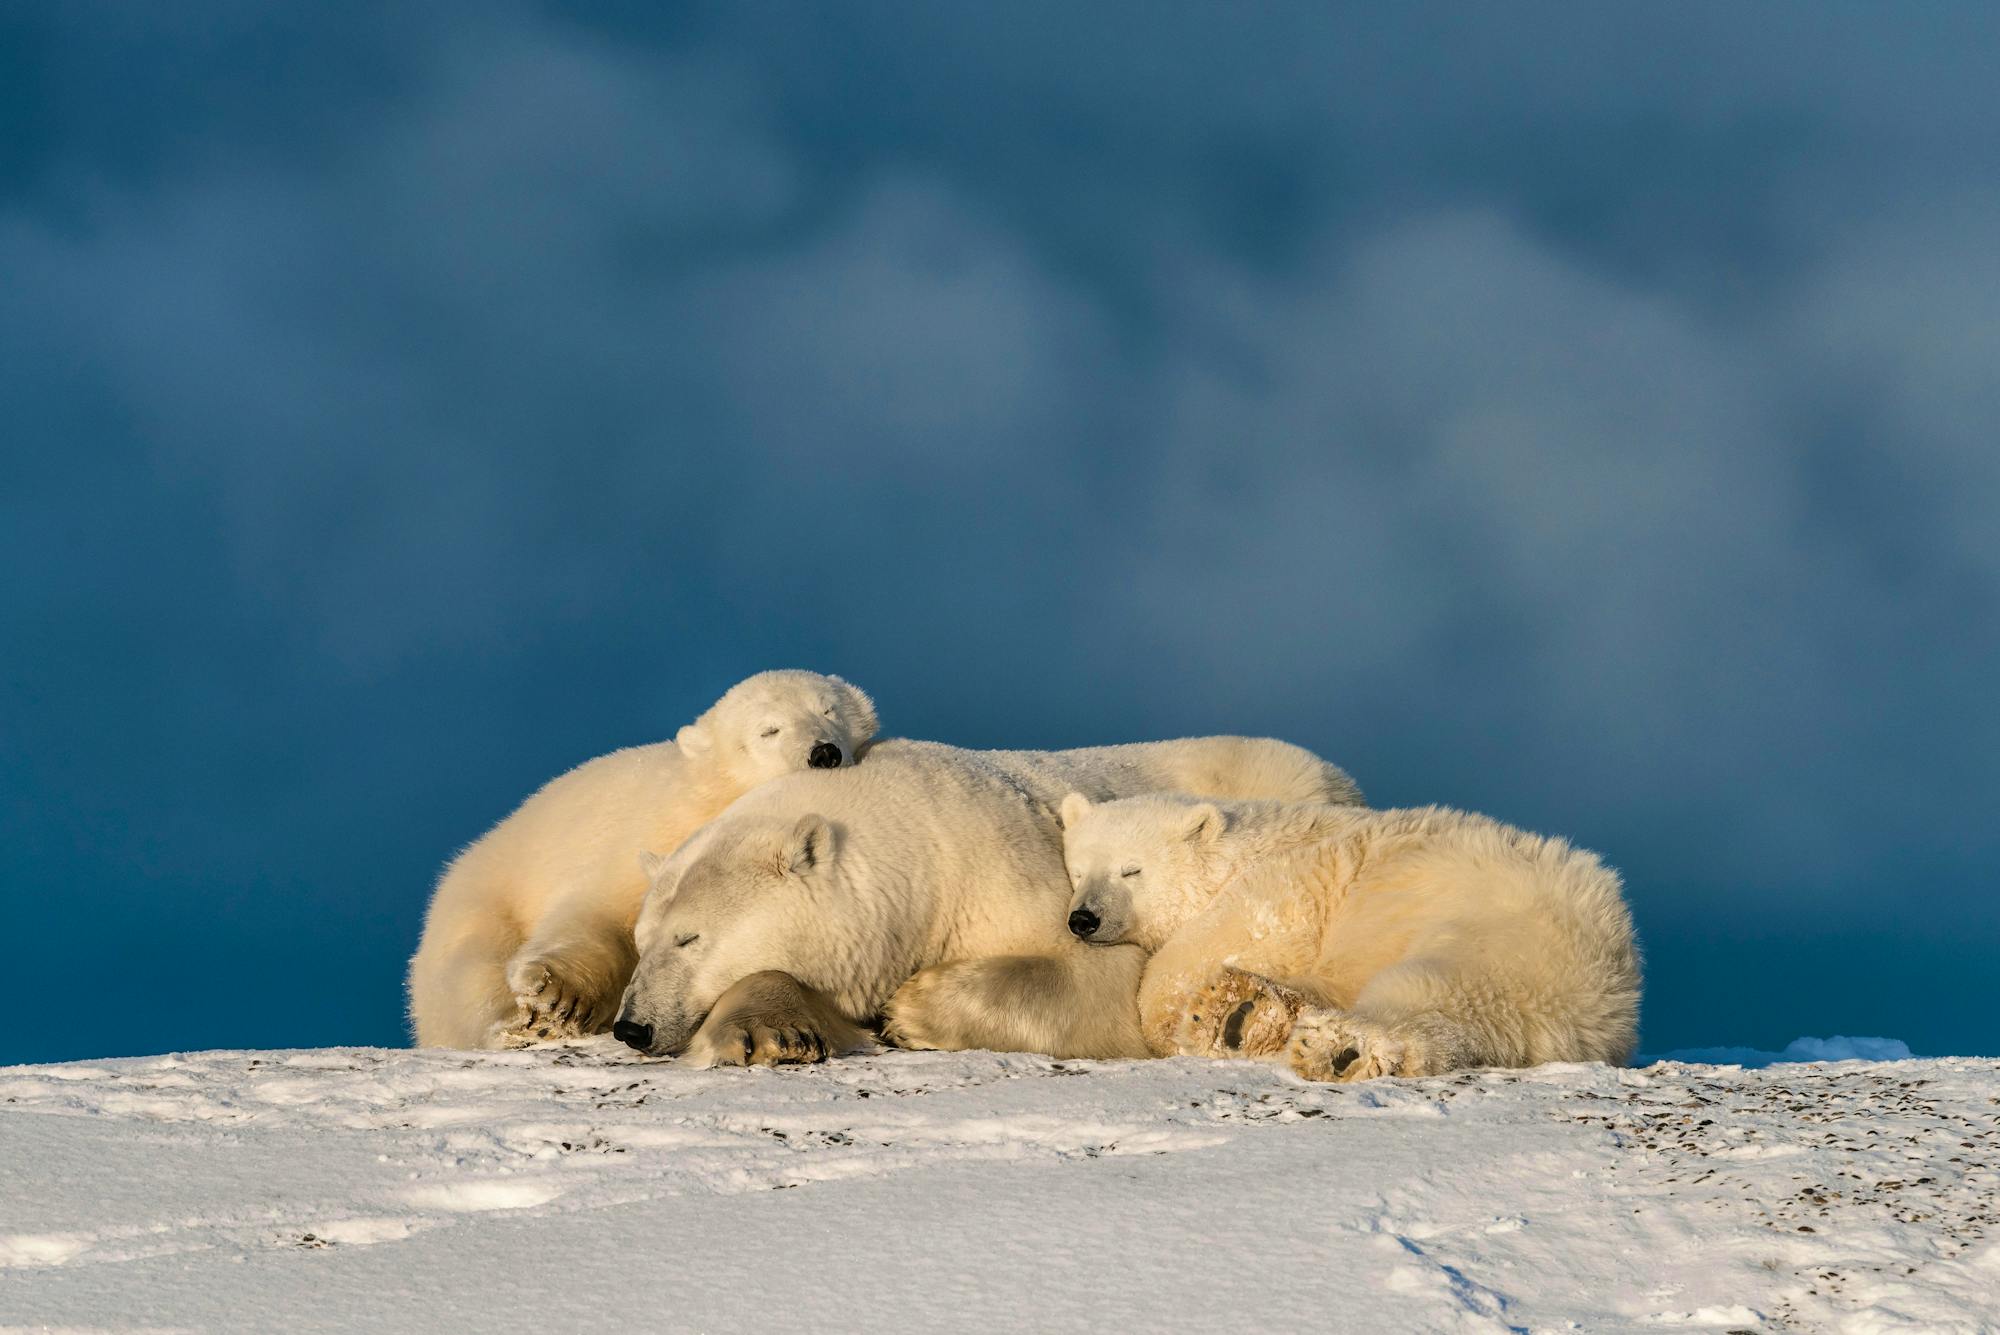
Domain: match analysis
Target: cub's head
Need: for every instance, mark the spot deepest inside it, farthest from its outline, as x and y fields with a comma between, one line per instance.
x=743, y=895
x=778, y=723
x=1141, y=866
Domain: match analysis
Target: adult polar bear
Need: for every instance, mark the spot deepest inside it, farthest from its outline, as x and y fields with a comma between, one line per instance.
x=925, y=885
x=529, y=933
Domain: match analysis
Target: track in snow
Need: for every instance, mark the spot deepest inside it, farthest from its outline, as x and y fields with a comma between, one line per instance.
x=577, y=1186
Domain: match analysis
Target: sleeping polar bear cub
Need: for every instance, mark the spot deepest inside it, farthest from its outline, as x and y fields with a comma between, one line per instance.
x=1356, y=943
x=529, y=933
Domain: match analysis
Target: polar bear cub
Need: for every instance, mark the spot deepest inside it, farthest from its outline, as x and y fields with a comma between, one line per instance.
x=529, y=934
x=1356, y=943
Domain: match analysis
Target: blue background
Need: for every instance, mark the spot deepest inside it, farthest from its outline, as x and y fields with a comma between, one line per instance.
x=1582, y=414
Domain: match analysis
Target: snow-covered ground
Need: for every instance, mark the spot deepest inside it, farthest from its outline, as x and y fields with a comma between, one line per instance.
x=580, y=1189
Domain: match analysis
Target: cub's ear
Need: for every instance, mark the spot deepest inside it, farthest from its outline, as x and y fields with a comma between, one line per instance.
x=692, y=740
x=650, y=863
x=1203, y=823
x=1074, y=808
x=808, y=847
x=859, y=708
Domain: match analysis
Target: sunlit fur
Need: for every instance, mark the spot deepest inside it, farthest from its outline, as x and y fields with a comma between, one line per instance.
x=852, y=881
x=1357, y=942
x=529, y=933
x=1236, y=768
x=978, y=992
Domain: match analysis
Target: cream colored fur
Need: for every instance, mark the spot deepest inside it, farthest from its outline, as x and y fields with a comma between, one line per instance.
x=1228, y=768
x=851, y=881
x=1356, y=943
x=529, y=934
x=978, y=993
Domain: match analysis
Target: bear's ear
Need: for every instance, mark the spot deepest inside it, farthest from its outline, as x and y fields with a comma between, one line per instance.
x=860, y=709
x=1074, y=808
x=808, y=847
x=692, y=740
x=659, y=890
x=1202, y=824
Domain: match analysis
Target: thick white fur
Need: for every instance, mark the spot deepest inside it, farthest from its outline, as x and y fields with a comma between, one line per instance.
x=946, y=865
x=850, y=881
x=1358, y=943
x=1228, y=768
x=529, y=934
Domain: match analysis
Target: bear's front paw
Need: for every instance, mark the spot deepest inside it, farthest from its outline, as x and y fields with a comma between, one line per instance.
x=553, y=1000
x=1333, y=1045
x=769, y=1018
x=751, y=1041
x=1238, y=1014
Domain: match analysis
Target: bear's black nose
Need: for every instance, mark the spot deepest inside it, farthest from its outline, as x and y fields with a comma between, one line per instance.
x=1084, y=923
x=824, y=755
x=633, y=1035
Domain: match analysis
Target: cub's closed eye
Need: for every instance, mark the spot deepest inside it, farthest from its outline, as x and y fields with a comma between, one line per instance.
x=768, y=732
x=1128, y=871
x=682, y=941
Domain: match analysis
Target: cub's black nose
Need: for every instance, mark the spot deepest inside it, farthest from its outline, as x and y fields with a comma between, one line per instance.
x=633, y=1034
x=824, y=755
x=1084, y=923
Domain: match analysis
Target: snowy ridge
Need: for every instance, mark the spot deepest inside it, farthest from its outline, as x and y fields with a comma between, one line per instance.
x=578, y=1188
x=1839, y=1048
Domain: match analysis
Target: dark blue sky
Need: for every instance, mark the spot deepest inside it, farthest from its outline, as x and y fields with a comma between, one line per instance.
x=1582, y=414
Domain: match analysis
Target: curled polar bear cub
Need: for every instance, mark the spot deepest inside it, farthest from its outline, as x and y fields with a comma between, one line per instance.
x=1356, y=943
x=529, y=934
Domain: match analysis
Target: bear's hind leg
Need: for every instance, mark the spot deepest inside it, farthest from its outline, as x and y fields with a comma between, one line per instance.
x=1336, y=1045
x=458, y=986
x=1420, y=1017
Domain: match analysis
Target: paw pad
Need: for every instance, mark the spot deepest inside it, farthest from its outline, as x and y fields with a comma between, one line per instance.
x=1232, y=1028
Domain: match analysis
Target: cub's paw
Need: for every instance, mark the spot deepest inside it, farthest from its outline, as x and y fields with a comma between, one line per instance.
x=1238, y=1014
x=554, y=999
x=1333, y=1045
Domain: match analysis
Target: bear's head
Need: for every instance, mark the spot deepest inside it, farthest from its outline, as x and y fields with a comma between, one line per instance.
x=778, y=723
x=757, y=890
x=1141, y=866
